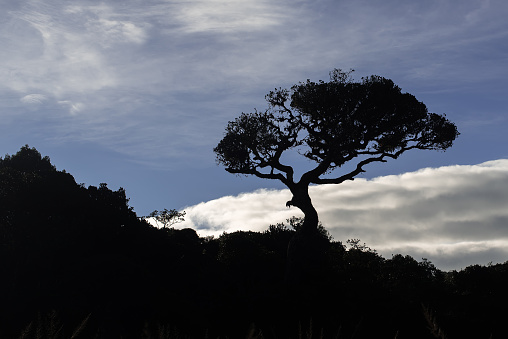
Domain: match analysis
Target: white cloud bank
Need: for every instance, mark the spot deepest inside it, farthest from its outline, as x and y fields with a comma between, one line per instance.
x=455, y=215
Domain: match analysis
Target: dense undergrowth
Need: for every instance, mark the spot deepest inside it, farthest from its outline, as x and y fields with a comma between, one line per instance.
x=77, y=262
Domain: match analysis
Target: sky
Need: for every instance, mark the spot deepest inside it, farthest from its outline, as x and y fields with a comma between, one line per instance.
x=137, y=93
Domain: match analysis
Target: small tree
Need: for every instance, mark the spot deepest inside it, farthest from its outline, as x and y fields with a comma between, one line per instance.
x=330, y=123
x=166, y=218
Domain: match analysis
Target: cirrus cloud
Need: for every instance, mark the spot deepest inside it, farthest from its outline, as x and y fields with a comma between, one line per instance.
x=33, y=99
x=194, y=65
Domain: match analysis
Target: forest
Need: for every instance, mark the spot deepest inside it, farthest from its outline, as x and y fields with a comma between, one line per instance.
x=77, y=262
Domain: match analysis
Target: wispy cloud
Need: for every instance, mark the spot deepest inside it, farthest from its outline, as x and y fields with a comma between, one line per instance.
x=229, y=16
x=454, y=215
x=33, y=99
x=129, y=66
x=65, y=59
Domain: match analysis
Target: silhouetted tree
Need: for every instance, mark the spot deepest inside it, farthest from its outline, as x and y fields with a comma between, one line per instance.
x=166, y=218
x=330, y=123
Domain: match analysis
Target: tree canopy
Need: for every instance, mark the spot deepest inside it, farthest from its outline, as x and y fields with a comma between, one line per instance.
x=331, y=123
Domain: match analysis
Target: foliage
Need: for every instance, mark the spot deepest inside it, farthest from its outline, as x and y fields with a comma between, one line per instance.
x=296, y=223
x=78, y=262
x=166, y=218
x=27, y=160
x=331, y=123
x=354, y=244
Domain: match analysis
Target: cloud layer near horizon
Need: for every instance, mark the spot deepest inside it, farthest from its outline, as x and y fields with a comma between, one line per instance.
x=455, y=216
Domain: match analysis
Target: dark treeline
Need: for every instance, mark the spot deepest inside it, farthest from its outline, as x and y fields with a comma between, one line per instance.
x=77, y=262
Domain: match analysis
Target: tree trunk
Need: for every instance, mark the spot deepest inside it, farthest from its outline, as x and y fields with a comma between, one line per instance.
x=306, y=249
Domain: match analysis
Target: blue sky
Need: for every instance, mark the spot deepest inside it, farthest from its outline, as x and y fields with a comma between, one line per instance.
x=137, y=93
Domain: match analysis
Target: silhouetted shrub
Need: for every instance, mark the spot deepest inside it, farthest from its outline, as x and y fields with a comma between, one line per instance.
x=78, y=258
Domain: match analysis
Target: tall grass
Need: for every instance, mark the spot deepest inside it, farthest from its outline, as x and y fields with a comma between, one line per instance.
x=434, y=327
x=51, y=327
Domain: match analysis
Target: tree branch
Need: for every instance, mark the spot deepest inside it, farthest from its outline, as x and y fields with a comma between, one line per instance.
x=277, y=176
x=359, y=167
x=275, y=163
x=351, y=175
x=313, y=175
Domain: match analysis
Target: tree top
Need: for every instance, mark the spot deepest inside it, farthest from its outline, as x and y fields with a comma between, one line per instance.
x=332, y=123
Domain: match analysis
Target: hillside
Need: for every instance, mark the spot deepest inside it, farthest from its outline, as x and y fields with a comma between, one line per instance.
x=78, y=262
